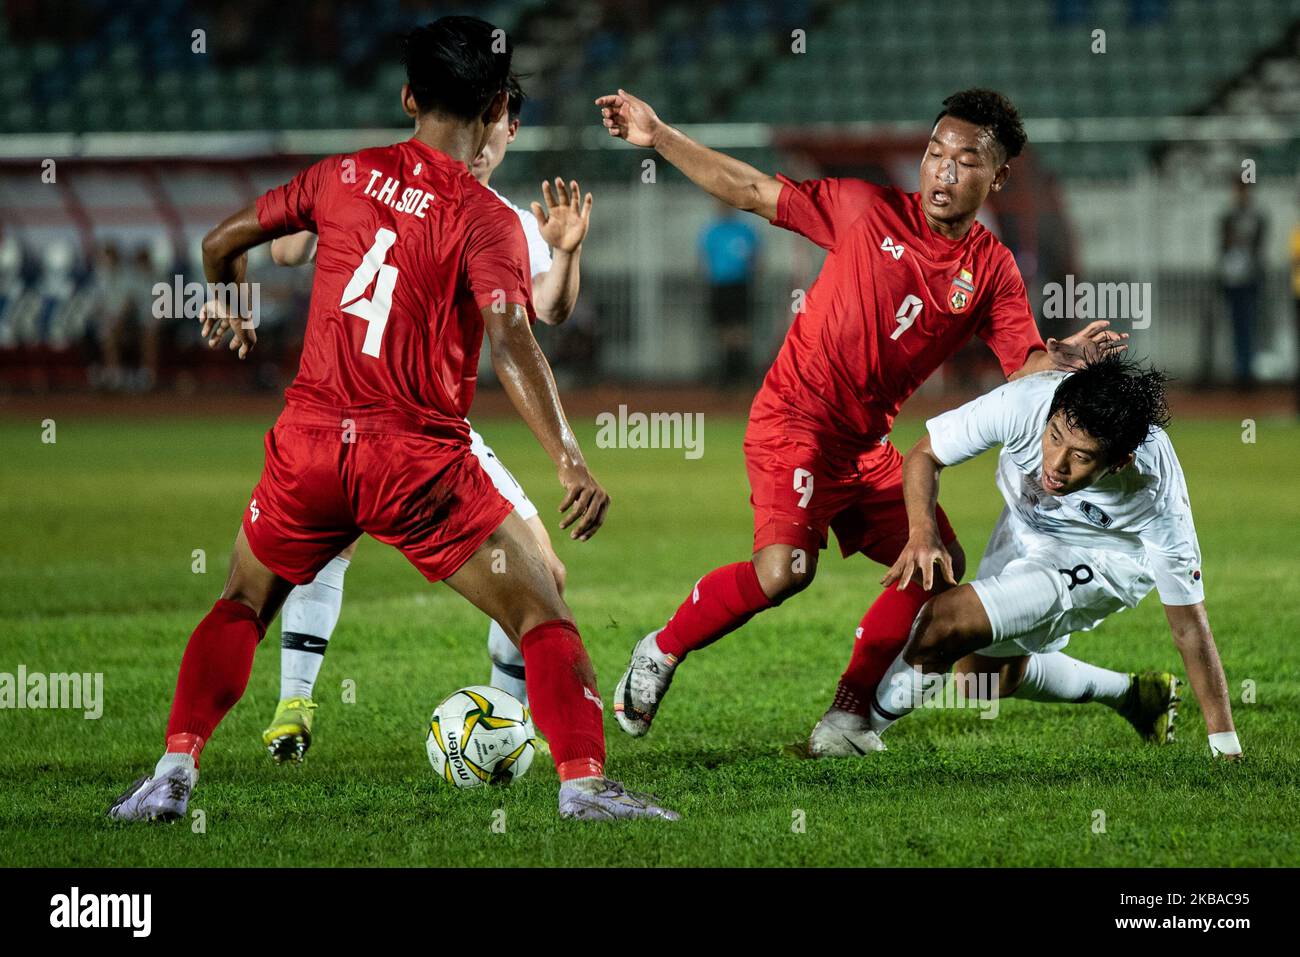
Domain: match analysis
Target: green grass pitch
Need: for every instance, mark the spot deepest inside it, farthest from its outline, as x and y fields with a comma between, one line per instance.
x=99, y=531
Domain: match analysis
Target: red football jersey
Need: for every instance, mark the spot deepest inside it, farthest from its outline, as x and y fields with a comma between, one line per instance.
x=892, y=302
x=411, y=248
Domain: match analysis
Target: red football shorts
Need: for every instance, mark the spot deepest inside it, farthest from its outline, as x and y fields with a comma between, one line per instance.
x=428, y=498
x=799, y=491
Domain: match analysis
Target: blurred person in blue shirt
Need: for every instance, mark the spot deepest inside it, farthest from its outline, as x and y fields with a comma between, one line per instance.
x=728, y=250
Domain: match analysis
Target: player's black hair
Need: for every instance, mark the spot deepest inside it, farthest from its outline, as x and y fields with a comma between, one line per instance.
x=456, y=65
x=517, y=96
x=1116, y=400
x=991, y=110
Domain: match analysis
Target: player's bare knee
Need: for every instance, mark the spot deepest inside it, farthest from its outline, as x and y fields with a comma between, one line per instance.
x=255, y=603
x=782, y=584
x=1004, y=675
x=990, y=677
x=263, y=598
x=938, y=635
x=528, y=619
x=534, y=599
x=535, y=606
x=1010, y=676
x=232, y=593
x=971, y=684
x=784, y=571
x=930, y=633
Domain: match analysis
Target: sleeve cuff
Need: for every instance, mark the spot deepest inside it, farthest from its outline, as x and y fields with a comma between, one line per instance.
x=938, y=433
x=783, y=201
x=265, y=215
x=486, y=300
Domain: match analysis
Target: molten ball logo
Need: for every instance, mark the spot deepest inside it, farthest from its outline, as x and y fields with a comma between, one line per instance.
x=454, y=756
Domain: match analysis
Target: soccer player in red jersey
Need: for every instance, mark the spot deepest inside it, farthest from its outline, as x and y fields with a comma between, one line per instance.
x=908, y=279
x=554, y=235
x=415, y=258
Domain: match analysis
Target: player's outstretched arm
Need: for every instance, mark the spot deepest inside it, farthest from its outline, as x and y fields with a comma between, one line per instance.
x=924, y=548
x=563, y=223
x=225, y=262
x=724, y=177
x=296, y=249
x=526, y=376
x=1195, y=642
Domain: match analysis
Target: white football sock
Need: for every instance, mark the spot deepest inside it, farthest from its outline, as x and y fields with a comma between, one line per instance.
x=507, y=663
x=900, y=692
x=1058, y=677
x=177, y=759
x=306, y=623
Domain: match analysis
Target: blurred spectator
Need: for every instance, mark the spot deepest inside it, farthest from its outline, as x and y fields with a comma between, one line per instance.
x=728, y=248
x=11, y=289
x=150, y=327
x=574, y=348
x=1241, y=273
x=113, y=293
x=56, y=290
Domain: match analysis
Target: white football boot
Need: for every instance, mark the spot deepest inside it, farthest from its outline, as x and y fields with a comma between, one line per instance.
x=162, y=798
x=840, y=734
x=643, y=686
x=600, y=799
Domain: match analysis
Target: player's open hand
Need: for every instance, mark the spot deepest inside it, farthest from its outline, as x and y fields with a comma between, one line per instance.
x=629, y=118
x=1087, y=345
x=217, y=321
x=585, y=502
x=918, y=558
x=567, y=216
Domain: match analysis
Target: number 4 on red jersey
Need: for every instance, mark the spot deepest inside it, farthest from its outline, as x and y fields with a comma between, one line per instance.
x=375, y=309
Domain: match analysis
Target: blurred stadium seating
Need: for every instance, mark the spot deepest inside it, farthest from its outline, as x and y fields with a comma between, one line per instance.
x=97, y=85
x=100, y=65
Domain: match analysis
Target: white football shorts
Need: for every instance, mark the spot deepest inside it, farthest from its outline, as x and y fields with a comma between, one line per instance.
x=506, y=483
x=1037, y=591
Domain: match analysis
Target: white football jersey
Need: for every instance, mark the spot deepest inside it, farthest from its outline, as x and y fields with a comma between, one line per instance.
x=1143, y=509
x=539, y=254
x=539, y=261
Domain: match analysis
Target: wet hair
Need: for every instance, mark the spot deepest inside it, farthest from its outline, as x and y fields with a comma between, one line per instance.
x=1116, y=400
x=991, y=110
x=452, y=68
x=517, y=97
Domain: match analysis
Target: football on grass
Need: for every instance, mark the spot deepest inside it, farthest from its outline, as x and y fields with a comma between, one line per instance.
x=480, y=735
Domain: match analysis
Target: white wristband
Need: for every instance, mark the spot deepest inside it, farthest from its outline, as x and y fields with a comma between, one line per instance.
x=1225, y=742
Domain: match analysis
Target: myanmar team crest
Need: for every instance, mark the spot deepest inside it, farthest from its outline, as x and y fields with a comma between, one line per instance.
x=961, y=291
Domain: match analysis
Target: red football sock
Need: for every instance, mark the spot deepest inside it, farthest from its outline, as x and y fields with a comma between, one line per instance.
x=564, y=699
x=214, y=673
x=881, y=636
x=721, y=602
